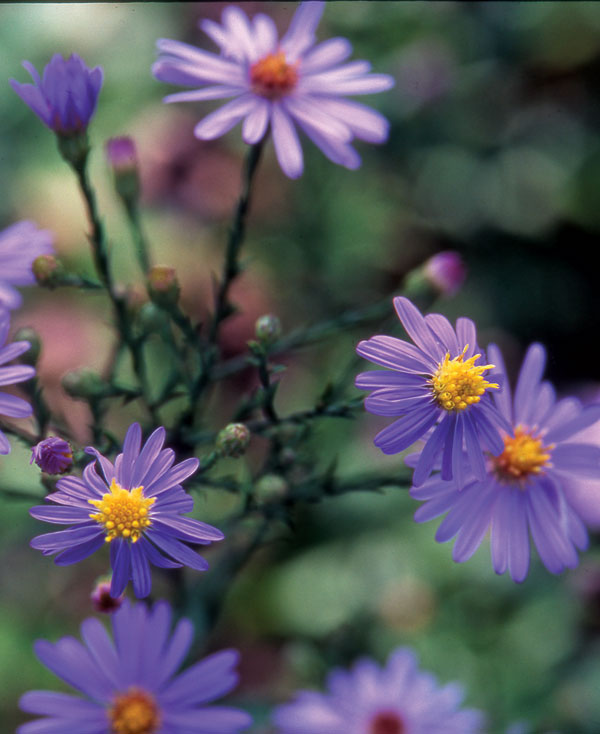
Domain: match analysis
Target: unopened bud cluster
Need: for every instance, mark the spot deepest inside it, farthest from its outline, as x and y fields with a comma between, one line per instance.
x=233, y=440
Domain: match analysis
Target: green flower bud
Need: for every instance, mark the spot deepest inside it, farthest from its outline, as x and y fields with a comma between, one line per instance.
x=27, y=334
x=268, y=328
x=84, y=384
x=48, y=271
x=163, y=287
x=233, y=440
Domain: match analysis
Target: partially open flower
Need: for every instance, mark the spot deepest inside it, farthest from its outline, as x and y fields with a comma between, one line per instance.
x=53, y=455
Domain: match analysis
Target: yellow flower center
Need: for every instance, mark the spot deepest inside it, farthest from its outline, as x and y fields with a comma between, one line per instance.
x=123, y=512
x=134, y=712
x=272, y=76
x=458, y=383
x=523, y=455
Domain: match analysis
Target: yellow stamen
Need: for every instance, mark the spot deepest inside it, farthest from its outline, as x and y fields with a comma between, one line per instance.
x=523, y=455
x=123, y=512
x=272, y=76
x=458, y=383
x=134, y=712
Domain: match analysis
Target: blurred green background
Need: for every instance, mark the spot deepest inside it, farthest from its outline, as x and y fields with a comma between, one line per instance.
x=494, y=152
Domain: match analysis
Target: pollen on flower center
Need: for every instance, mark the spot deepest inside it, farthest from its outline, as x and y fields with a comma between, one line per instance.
x=134, y=712
x=523, y=455
x=272, y=76
x=123, y=512
x=458, y=383
x=386, y=722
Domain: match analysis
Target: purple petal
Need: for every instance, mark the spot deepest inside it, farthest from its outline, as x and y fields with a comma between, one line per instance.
x=61, y=515
x=222, y=120
x=430, y=452
x=121, y=566
x=418, y=330
x=287, y=145
x=211, y=678
x=148, y=455
x=396, y=354
x=53, y=542
x=466, y=334
x=219, y=91
x=50, y=703
x=502, y=398
x=215, y=719
x=586, y=418
x=325, y=55
x=140, y=571
x=155, y=557
x=577, y=458
x=471, y=534
x=530, y=376
x=17, y=373
x=187, y=528
x=255, y=124
x=518, y=547
x=131, y=450
x=301, y=33
x=177, y=550
x=101, y=648
x=473, y=448
x=404, y=432
x=500, y=536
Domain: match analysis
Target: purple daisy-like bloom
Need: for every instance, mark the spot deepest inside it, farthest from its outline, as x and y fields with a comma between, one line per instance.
x=130, y=686
x=437, y=385
x=135, y=505
x=11, y=405
x=53, y=455
x=20, y=244
x=525, y=489
x=278, y=84
x=65, y=97
x=396, y=699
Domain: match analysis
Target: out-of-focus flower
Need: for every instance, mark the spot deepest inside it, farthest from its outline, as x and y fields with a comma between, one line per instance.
x=53, y=455
x=20, y=245
x=278, y=83
x=446, y=272
x=65, y=97
x=525, y=489
x=233, y=440
x=122, y=158
x=130, y=686
x=163, y=286
x=268, y=328
x=11, y=405
x=435, y=383
x=135, y=505
x=102, y=601
x=396, y=699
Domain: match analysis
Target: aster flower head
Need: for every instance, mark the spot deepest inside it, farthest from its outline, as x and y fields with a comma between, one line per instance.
x=53, y=455
x=525, y=490
x=12, y=406
x=135, y=506
x=130, y=685
x=439, y=388
x=20, y=245
x=446, y=272
x=395, y=699
x=65, y=97
x=278, y=84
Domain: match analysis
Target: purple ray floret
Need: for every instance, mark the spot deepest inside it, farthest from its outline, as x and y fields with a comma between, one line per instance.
x=525, y=490
x=65, y=97
x=130, y=683
x=278, y=84
x=398, y=698
x=20, y=244
x=438, y=388
x=12, y=406
x=137, y=506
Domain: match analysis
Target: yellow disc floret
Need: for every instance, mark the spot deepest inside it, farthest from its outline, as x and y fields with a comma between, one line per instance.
x=458, y=383
x=123, y=512
x=523, y=455
x=272, y=76
x=134, y=712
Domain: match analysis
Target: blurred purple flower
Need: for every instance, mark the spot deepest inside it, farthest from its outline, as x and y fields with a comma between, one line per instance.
x=130, y=686
x=136, y=506
x=446, y=272
x=53, y=455
x=11, y=405
x=278, y=83
x=102, y=601
x=525, y=489
x=435, y=383
x=65, y=97
x=121, y=154
x=20, y=245
x=398, y=699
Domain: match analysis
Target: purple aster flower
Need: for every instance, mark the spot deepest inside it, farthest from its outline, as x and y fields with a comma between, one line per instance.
x=135, y=506
x=65, y=97
x=446, y=272
x=437, y=384
x=53, y=455
x=278, y=83
x=130, y=686
x=398, y=699
x=525, y=488
x=20, y=244
x=11, y=405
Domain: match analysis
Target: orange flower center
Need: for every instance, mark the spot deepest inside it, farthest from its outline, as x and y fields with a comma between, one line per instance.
x=272, y=76
x=134, y=712
x=523, y=455
x=387, y=722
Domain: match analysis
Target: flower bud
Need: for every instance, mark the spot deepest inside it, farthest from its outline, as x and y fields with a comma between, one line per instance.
x=268, y=328
x=27, y=334
x=163, y=287
x=122, y=158
x=446, y=272
x=270, y=487
x=47, y=270
x=233, y=440
x=101, y=599
x=53, y=455
x=84, y=383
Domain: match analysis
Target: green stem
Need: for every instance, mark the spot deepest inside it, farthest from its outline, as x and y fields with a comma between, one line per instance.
x=137, y=234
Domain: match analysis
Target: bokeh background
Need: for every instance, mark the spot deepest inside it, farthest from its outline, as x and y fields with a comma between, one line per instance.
x=494, y=152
